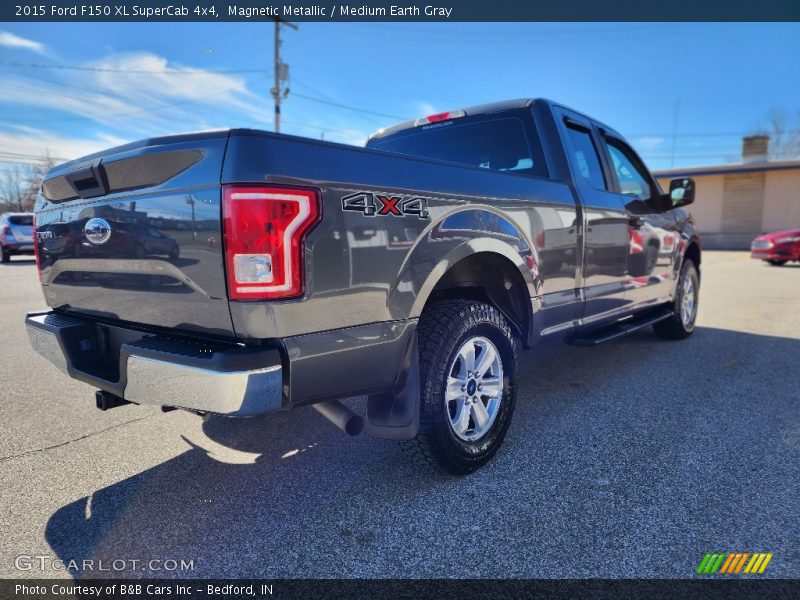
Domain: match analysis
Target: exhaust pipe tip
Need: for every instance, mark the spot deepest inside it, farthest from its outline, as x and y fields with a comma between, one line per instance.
x=354, y=425
x=341, y=416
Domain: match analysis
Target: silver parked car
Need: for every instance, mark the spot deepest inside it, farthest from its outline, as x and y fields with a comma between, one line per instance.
x=16, y=234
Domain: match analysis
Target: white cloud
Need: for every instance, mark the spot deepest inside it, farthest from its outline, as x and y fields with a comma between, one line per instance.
x=38, y=142
x=150, y=77
x=141, y=94
x=9, y=40
x=649, y=142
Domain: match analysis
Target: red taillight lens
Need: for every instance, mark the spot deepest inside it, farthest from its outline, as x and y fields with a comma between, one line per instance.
x=36, y=249
x=263, y=230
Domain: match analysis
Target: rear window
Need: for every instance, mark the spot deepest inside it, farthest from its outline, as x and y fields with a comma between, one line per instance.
x=497, y=144
x=25, y=220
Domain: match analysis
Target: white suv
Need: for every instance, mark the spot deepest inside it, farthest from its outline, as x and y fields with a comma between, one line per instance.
x=16, y=234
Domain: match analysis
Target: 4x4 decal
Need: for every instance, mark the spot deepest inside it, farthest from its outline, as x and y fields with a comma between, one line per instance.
x=381, y=205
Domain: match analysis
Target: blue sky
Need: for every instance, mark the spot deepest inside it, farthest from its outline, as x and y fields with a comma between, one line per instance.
x=683, y=93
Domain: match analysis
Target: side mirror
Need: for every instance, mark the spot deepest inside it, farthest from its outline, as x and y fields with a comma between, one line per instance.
x=681, y=191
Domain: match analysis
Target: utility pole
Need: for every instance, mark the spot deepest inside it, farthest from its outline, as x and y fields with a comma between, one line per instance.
x=281, y=73
x=674, y=131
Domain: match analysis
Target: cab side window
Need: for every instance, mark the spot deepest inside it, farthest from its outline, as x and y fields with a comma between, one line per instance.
x=632, y=181
x=584, y=157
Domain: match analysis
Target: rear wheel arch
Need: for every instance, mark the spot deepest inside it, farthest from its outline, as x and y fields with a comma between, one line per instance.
x=486, y=277
x=492, y=278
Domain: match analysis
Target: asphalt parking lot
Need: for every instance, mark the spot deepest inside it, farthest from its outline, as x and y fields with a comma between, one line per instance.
x=653, y=454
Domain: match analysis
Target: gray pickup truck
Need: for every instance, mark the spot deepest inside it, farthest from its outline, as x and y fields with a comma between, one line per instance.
x=241, y=272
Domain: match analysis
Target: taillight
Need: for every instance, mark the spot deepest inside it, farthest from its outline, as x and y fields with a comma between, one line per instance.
x=263, y=230
x=36, y=250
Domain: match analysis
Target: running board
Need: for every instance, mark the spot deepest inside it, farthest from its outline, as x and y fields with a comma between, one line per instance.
x=618, y=329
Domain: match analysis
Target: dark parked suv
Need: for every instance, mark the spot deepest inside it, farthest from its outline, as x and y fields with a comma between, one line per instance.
x=411, y=271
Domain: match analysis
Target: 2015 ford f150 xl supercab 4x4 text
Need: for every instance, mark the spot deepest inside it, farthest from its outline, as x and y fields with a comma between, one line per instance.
x=242, y=272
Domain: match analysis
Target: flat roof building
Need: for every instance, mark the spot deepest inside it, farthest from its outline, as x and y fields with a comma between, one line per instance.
x=737, y=202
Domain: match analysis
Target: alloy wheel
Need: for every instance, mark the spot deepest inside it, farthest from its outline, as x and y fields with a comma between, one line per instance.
x=474, y=389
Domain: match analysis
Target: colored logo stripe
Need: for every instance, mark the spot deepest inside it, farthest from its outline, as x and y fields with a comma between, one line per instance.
x=728, y=562
x=733, y=563
x=758, y=563
x=710, y=563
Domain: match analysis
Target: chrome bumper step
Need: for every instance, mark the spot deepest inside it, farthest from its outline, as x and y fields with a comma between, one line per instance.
x=152, y=369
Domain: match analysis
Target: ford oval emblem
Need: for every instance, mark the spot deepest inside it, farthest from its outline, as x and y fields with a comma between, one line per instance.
x=97, y=230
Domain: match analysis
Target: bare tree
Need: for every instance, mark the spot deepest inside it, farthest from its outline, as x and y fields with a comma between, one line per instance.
x=34, y=176
x=13, y=188
x=19, y=185
x=784, y=135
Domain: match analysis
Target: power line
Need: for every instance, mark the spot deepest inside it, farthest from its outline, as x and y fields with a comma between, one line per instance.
x=349, y=107
x=19, y=162
x=324, y=129
x=294, y=123
x=267, y=72
x=700, y=135
x=325, y=96
x=325, y=101
x=159, y=106
x=188, y=71
x=34, y=156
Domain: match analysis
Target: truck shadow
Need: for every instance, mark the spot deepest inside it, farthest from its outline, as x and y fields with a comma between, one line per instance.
x=601, y=438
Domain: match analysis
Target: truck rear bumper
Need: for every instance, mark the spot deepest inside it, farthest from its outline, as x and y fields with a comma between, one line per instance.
x=149, y=369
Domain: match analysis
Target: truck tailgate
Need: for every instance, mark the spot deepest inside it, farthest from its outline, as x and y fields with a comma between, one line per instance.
x=133, y=234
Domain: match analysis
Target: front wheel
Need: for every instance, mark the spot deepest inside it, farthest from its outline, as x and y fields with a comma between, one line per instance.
x=777, y=263
x=468, y=362
x=681, y=324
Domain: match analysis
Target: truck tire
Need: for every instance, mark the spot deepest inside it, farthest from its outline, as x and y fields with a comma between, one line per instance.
x=777, y=263
x=467, y=359
x=681, y=324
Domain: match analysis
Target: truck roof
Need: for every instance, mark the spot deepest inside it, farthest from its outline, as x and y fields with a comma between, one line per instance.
x=492, y=107
x=479, y=109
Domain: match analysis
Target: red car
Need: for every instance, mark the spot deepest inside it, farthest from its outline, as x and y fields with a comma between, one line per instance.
x=777, y=248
